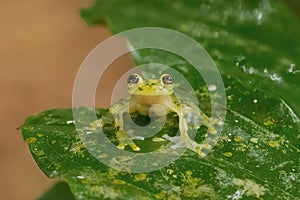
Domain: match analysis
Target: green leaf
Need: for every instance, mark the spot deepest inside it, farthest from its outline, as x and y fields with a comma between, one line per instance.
x=60, y=191
x=255, y=44
x=250, y=159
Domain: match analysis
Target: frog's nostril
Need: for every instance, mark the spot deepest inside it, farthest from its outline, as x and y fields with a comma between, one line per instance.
x=140, y=89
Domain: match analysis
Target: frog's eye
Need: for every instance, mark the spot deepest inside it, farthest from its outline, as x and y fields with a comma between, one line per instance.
x=134, y=79
x=166, y=79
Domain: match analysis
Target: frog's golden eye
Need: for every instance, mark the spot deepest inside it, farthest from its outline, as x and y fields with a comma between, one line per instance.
x=134, y=79
x=166, y=79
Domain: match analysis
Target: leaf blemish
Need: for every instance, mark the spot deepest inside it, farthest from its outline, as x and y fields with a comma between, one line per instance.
x=30, y=140
x=228, y=154
x=250, y=187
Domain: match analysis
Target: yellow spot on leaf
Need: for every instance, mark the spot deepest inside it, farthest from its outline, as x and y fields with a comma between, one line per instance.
x=161, y=195
x=170, y=171
x=238, y=139
x=228, y=154
x=140, y=177
x=30, y=140
x=230, y=97
x=242, y=147
x=250, y=187
x=273, y=144
x=40, y=153
x=40, y=135
x=254, y=140
x=282, y=172
x=173, y=197
x=194, y=187
x=269, y=121
x=189, y=172
x=119, y=182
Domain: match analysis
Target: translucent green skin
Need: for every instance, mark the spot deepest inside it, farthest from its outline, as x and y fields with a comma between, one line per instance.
x=154, y=95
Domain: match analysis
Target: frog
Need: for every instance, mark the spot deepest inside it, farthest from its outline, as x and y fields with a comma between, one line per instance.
x=157, y=96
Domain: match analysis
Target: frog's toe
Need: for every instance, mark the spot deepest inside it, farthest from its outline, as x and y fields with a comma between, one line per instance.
x=121, y=146
x=91, y=129
x=138, y=138
x=212, y=130
x=201, y=154
x=125, y=140
x=178, y=143
x=172, y=139
x=96, y=124
x=134, y=147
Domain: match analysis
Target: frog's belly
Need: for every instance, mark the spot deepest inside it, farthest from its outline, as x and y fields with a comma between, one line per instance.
x=153, y=105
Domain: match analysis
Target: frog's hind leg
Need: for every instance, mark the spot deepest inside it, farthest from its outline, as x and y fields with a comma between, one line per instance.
x=209, y=123
x=117, y=111
x=190, y=119
x=184, y=140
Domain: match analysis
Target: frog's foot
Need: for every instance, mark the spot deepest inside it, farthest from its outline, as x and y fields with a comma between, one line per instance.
x=96, y=124
x=212, y=130
x=178, y=143
x=181, y=142
x=125, y=140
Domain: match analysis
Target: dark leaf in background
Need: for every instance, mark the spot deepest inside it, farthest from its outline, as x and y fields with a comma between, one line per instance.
x=256, y=46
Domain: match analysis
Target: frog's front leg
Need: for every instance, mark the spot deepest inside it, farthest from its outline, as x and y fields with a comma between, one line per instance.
x=117, y=111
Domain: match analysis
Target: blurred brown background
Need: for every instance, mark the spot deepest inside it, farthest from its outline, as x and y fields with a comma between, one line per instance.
x=42, y=46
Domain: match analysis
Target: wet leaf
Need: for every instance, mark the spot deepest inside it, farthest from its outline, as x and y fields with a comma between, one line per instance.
x=254, y=157
x=256, y=41
x=256, y=46
x=60, y=191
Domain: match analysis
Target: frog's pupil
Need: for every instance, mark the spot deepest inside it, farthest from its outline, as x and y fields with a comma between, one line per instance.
x=133, y=79
x=167, y=79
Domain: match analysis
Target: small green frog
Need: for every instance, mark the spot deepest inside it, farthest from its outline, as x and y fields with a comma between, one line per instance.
x=158, y=96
